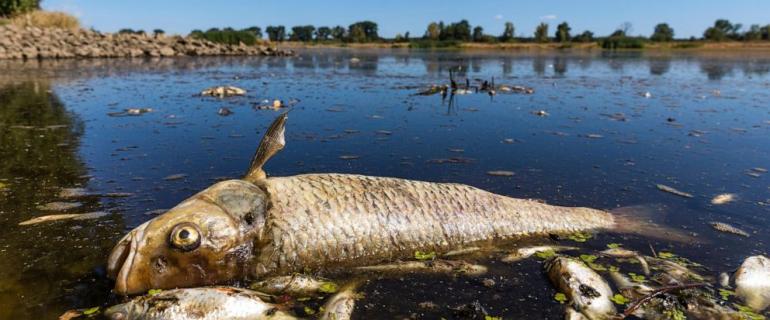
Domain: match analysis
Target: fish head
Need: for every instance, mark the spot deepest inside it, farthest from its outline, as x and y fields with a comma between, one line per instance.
x=125, y=311
x=207, y=239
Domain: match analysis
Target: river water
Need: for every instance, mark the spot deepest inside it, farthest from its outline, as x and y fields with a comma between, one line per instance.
x=614, y=126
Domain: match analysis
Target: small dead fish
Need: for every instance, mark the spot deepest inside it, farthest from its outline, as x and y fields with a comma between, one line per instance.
x=625, y=253
x=723, y=198
x=501, y=173
x=173, y=177
x=198, y=304
x=298, y=285
x=524, y=253
x=674, y=273
x=69, y=193
x=223, y=91
x=671, y=190
x=540, y=113
x=430, y=266
x=586, y=290
x=593, y=136
x=130, y=112
x=760, y=170
x=57, y=217
x=59, y=206
x=752, y=282
x=349, y=157
x=340, y=306
x=516, y=89
x=224, y=111
x=724, y=227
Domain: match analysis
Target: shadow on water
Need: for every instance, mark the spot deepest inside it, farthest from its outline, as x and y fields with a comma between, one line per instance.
x=617, y=124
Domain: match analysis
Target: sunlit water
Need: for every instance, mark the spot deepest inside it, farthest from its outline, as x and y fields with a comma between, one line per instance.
x=605, y=143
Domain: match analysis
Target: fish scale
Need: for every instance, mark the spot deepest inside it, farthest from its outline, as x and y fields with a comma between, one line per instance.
x=318, y=219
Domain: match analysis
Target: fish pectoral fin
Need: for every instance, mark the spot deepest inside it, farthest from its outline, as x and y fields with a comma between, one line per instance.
x=272, y=142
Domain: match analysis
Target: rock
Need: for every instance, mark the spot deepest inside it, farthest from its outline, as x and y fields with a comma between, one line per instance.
x=167, y=52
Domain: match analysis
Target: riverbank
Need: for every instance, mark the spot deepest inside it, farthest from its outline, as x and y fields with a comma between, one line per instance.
x=523, y=46
x=54, y=43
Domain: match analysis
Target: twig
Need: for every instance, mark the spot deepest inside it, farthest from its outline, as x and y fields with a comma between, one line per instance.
x=631, y=309
x=654, y=254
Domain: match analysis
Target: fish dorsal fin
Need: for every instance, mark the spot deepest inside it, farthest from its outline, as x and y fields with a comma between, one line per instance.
x=271, y=143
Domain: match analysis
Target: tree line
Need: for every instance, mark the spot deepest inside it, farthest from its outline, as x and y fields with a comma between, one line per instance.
x=463, y=31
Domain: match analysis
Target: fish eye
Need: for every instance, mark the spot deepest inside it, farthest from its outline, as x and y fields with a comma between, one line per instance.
x=185, y=236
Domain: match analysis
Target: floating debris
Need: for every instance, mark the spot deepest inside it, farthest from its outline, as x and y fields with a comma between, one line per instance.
x=70, y=216
x=59, y=206
x=540, y=113
x=752, y=282
x=349, y=157
x=647, y=94
x=593, y=136
x=500, y=173
x=759, y=170
x=615, y=116
x=723, y=198
x=671, y=190
x=223, y=91
x=384, y=132
x=177, y=176
x=452, y=160
x=130, y=112
x=724, y=227
x=224, y=111
x=515, y=89
x=70, y=193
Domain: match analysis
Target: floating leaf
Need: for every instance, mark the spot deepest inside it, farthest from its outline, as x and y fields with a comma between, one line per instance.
x=419, y=255
x=614, y=269
x=613, y=245
x=91, y=311
x=580, y=236
x=726, y=294
x=619, y=299
x=562, y=298
x=488, y=317
x=545, y=254
x=588, y=258
x=666, y=255
x=303, y=299
x=328, y=287
x=675, y=314
x=153, y=292
x=748, y=312
x=309, y=311
x=597, y=267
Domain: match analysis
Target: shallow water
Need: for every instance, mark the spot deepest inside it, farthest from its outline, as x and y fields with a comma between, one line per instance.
x=704, y=126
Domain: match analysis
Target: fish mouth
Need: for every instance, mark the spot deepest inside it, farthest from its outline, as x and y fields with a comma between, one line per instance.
x=121, y=260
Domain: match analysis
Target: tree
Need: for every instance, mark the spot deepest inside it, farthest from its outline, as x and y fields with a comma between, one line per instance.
x=368, y=28
x=338, y=33
x=406, y=36
x=586, y=36
x=276, y=33
x=323, y=33
x=302, y=33
x=662, y=33
x=754, y=33
x=456, y=31
x=766, y=32
x=541, y=32
x=256, y=31
x=478, y=34
x=13, y=7
x=562, y=32
x=433, y=32
x=508, y=32
x=722, y=30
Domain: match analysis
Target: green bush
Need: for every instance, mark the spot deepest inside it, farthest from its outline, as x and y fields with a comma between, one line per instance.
x=226, y=36
x=621, y=42
x=429, y=44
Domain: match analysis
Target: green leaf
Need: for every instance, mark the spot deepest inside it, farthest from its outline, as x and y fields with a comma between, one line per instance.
x=588, y=258
x=91, y=311
x=328, y=287
x=726, y=294
x=666, y=255
x=614, y=269
x=636, y=277
x=487, y=317
x=620, y=299
x=580, y=236
x=748, y=312
x=597, y=267
x=419, y=255
x=562, y=298
x=613, y=245
x=153, y=292
x=309, y=311
x=545, y=254
x=303, y=299
x=675, y=314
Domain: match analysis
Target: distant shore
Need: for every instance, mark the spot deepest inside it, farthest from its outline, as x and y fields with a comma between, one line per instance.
x=673, y=45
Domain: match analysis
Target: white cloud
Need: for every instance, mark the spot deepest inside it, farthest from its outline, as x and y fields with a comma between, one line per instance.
x=549, y=17
x=499, y=17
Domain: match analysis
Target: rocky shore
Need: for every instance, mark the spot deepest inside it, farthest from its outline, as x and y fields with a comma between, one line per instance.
x=46, y=43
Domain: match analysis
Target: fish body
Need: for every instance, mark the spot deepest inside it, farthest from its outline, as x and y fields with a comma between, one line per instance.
x=430, y=266
x=588, y=293
x=198, y=304
x=341, y=305
x=295, y=285
x=260, y=226
x=724, y=227
x=526, y=252
x=752, y=282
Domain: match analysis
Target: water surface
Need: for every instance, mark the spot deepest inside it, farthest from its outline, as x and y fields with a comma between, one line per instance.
x=617, y=125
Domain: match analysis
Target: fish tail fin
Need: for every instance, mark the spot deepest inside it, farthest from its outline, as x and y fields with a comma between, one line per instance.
x=272, y=142
x=644, y=220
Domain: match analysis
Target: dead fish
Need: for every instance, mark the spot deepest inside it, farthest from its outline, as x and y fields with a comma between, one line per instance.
x=752, y=282
x=176, y=176
x=130, y=112
x=69, y=193
x=68, y=216
x=625, y=253
x=295, y=285
x=593, y=136
x=671, y=190
x=224, y=111
x=59, y=206
x=429, y=266
x=541, y=113
x=349, y=157
x=526, y=252
x=587, y=292
x=341, y=305
x=723, y=198
x=516, y=89
x=223, y=91
x=724, y=227
x=198, y=304
x=673, y=273
x=501, y=173
x=257, y=227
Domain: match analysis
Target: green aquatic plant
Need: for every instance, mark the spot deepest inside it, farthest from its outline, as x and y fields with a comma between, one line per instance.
x=637, y=277
x=545, y=254
x=614, y=245
x=419, y=255
x=328, y=287
x=91, y=311
x=620, y=299
x=580, y=236
x=748, y=313
x=560, y=297
x=725, y=294
x=153, y=292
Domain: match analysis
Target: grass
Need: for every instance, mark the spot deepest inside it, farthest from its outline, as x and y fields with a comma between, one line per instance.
x=45, y=19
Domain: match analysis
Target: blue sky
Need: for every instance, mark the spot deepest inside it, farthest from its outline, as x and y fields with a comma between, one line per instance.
x=687, y=17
